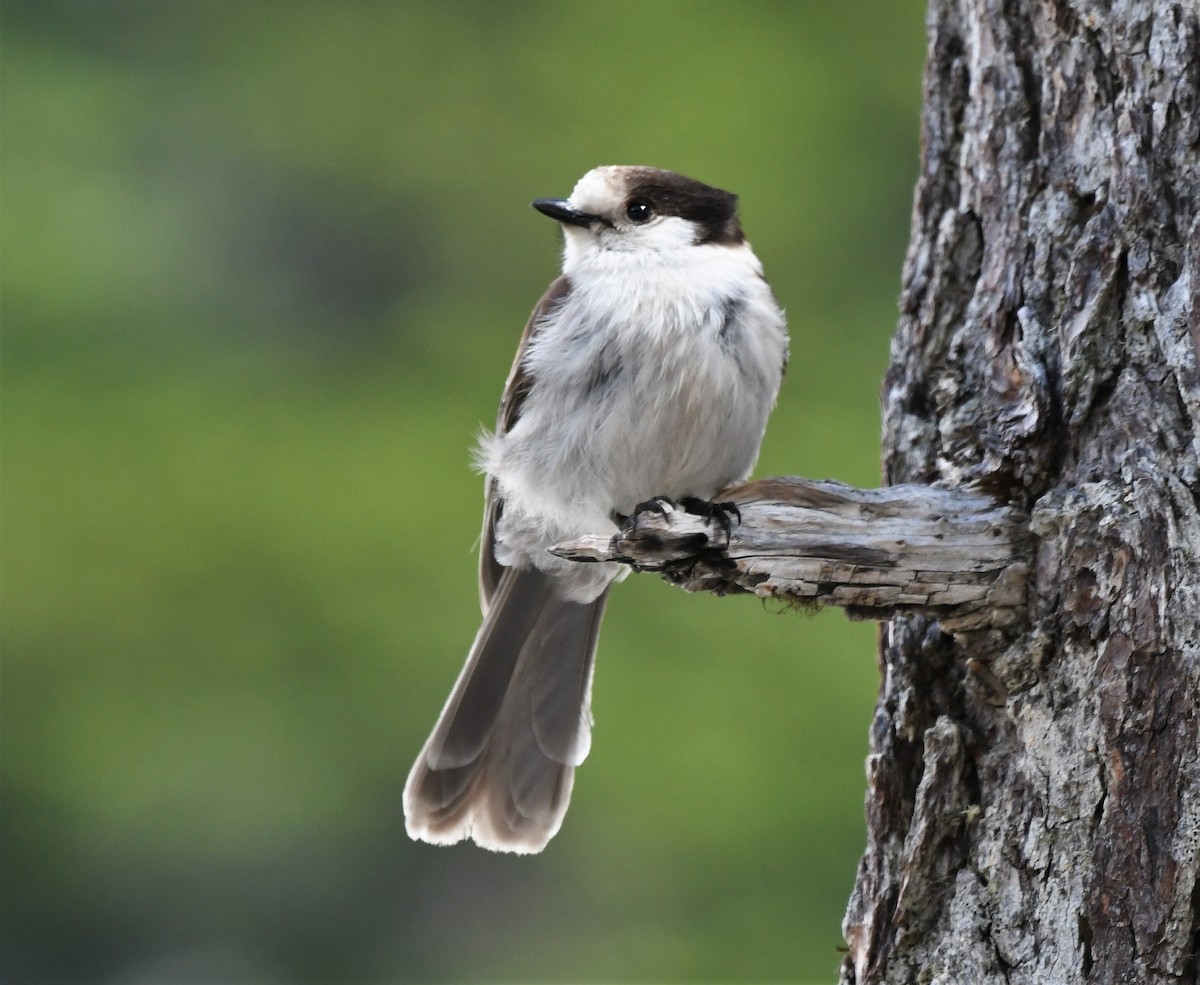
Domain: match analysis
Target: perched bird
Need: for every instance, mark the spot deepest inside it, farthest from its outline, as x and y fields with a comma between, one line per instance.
x=647, y=370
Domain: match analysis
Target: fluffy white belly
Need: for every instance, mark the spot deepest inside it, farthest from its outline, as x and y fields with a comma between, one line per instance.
x=661, y=399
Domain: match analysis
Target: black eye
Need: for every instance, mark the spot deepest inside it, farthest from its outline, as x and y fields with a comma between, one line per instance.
x=638, y=212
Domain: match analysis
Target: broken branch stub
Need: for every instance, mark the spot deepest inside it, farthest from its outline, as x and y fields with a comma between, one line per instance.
x=956, y=554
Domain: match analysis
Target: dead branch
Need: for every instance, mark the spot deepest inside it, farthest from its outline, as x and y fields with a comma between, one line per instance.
x=956, y=554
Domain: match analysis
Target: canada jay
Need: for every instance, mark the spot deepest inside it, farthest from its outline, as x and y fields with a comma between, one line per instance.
x=647, y=370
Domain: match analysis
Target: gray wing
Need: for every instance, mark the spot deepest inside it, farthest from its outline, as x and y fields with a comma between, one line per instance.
x=515, y=389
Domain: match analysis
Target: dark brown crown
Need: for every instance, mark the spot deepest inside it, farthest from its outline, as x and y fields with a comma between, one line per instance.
x=668, y=193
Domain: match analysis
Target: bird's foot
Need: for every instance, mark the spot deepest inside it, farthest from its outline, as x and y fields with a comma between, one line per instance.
x=722, y=513
x=661, y=505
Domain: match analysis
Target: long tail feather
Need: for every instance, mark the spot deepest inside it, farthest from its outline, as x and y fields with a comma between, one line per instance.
x=501, y=761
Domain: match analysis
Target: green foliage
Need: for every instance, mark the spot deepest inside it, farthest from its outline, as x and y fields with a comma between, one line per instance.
x=264, y=267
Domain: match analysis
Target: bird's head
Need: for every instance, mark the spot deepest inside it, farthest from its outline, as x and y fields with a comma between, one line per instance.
x=643, y=210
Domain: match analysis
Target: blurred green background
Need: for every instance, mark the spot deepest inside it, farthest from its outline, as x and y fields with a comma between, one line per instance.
x=264, y=268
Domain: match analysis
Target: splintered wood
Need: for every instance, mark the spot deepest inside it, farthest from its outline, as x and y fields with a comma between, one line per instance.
x=956, y=554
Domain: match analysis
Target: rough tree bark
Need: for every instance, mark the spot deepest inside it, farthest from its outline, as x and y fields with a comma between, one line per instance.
x=1048, y=350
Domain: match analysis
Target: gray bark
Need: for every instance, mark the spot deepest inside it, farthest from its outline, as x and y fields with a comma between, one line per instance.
x=1048, y=351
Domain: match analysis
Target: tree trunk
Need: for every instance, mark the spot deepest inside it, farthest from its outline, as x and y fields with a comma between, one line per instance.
x=1047, y=351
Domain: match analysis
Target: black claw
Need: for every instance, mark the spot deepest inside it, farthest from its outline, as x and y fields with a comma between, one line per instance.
x=659, y=504
x=723, y=513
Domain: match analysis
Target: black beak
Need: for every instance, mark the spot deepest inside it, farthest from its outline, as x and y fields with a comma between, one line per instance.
x=557, y=208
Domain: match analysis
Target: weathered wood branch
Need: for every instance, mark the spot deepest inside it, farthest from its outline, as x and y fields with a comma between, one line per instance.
x=955, y=554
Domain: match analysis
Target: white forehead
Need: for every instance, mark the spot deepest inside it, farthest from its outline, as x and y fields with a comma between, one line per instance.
x=600, y=189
